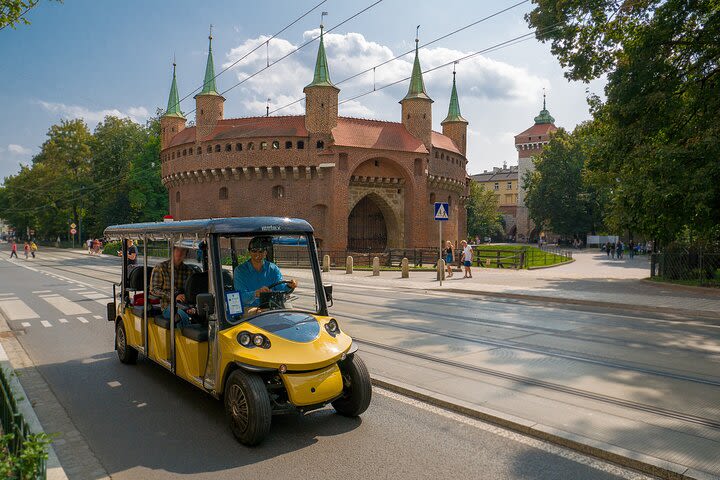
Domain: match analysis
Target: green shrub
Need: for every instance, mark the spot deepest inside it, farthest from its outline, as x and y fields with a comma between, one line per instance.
x=27, y=464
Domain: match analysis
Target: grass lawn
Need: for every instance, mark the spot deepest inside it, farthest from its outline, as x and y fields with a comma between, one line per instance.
x=534, y=257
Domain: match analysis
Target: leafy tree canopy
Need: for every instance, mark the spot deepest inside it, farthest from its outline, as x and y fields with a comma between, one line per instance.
x=483, y=218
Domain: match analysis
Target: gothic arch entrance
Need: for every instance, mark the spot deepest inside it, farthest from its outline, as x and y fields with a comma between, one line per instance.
x=367, y=229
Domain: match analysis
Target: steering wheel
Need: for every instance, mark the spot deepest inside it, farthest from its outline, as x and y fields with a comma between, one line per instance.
x=286, y=282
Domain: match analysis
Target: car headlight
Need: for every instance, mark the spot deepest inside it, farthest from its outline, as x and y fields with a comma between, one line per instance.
x=332, y=327
x=258, y=340
x=244, y=339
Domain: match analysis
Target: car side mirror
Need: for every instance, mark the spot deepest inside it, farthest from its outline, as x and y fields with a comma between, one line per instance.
x=328, y=293
x=205, y=303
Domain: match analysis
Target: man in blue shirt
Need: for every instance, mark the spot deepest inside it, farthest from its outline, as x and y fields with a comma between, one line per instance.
x=257, y=274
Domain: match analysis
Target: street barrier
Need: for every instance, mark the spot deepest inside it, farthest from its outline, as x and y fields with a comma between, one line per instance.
x=376, y=266
x=404, y=265
x=326, y=263
x=349, y=264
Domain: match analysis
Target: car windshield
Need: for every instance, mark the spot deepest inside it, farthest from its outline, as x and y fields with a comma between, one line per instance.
x=267, y=272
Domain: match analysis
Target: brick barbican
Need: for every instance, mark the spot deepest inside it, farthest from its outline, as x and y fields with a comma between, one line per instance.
x=363, y=184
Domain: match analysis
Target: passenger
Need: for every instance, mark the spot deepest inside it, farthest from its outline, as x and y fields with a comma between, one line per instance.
x=257, y=274
x=160, y=284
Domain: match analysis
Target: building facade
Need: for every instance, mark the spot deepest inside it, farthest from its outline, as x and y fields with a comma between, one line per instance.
x=364, y=185
x=503, y=182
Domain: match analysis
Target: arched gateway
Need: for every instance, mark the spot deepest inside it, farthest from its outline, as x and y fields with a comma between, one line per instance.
x=367, y=231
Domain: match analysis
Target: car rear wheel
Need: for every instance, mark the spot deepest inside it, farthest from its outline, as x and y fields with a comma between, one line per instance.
x=247, y=406
x=126, y=353
x=357, y=390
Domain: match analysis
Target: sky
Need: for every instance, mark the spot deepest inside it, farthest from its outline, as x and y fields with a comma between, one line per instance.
x=88, y=59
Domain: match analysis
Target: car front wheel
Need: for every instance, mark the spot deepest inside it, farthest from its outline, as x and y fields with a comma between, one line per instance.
x=357, y=389
x=247, y=406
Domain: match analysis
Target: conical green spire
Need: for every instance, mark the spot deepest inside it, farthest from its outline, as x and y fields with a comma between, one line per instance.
x=417, y=86
x=209, y=87
x=544, y=116
x=321, y=78
x=173, y=106
x=454, y=109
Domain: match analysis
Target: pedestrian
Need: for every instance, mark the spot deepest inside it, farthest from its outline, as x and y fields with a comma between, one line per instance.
x=619, y=249
x=13, y=250
x=449, y=257
x=607, y=249
x=613, y=246
x=131, y=253
x=89, y=245
x=33, y=248
x=96, y=246
x=57, y=242
x=631, y=249
x=467, y=256
x=26, y=248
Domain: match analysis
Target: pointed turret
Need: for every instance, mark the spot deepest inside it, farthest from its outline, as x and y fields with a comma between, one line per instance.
x=417, y=105
x=321, y=97
x=455, y=126
x=173, y=120
x=544, y=116
x=209, y=104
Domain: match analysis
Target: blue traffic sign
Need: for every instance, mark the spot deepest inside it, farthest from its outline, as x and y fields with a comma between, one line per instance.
x=442, y=211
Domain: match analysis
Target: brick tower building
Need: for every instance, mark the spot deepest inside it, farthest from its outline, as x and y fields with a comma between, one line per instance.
x=364, y=185
x=530, y=143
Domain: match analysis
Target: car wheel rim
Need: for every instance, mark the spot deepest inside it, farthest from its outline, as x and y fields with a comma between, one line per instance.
x=238, y=407
x=121, y=341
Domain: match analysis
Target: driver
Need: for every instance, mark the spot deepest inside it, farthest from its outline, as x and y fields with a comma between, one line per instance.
x=257, y=274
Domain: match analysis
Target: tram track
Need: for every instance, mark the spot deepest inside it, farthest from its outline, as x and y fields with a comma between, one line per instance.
x=555, y=387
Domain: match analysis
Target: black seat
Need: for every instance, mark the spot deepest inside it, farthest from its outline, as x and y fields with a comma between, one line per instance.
x=162, y=322
x=195, y=332
x=196, y=284
x=135, y=278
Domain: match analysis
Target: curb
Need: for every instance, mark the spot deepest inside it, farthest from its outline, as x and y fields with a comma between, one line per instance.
x=55, y=471
x=682, y=288
x=604, y=451
x=589, y=303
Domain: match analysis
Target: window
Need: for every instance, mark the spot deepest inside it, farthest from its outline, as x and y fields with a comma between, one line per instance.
x=251, y=146
x=263, y=145
x=288, y=145
x=449, y=200
x=217, y=148
x=184, y=152
x=320, y=144
x=300, y=145
x=432, y=198
x=275, y=145
x=209, y=149
x=497, y=186
x=442, y=156
x=377, y=163
x=177, y=196
x=228, y=147
x=238, y=147
x=278, y=191
x=437, y=154
x=223, y=194
x=509, y=185
x=199, y=151
x=172, y=155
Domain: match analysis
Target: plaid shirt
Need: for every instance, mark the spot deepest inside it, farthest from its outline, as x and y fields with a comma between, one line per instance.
x=160, y=281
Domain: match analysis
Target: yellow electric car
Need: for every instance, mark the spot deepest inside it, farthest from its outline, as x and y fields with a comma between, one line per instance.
x=251, y=323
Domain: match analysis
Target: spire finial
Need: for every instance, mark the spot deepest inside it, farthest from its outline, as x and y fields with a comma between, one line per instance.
x=173, y=106
x=321, y=76
x=417, y=36
x=544, y=99
x=322, y=15
x=417, y=86
x=454, y=108
x=209, y=87
x=267, y=108
x=210, y=36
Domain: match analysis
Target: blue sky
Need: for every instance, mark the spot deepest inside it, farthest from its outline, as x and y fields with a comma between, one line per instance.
x=87, y=59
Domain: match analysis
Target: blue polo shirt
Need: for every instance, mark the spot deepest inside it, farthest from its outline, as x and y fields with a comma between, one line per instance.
x=248, y=280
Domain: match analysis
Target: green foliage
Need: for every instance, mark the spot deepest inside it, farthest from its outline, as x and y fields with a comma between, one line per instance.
x=483, y=219
x=12, y=12
x=558, y=196
x=94, y=179
x=27, y=463
x=656, y=151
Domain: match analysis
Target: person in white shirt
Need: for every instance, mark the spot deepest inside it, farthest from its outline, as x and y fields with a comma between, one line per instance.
x=467, y=256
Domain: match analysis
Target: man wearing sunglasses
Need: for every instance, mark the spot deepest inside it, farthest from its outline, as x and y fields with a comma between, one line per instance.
x=255, y=275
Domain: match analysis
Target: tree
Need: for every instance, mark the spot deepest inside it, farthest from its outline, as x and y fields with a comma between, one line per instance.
x=558, y=196
x=12, y=12
x=657, y=151
x=483, y=218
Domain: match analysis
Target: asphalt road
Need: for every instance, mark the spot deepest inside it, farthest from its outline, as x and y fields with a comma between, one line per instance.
x=141, y=422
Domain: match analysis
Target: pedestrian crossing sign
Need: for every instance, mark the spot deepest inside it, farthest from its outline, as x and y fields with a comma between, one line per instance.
x=441, y=211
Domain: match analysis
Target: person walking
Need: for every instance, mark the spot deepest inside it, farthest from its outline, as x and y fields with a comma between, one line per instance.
x=619, y=249
x=467, y=256
x=449, y=257
x=26, y=248
x=607, y=249
x=33, y=248
x=13, y=250
x=631, y=249
x=612, y=250
x=89, y=244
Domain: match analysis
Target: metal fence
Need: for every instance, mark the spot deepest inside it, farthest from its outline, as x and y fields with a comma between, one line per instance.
x=690, y=267
x=13, y=423
x=417, y=257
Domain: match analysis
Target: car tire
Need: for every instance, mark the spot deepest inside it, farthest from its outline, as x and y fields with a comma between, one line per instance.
x=126, y=353
x=357, y=390
x=247, y=406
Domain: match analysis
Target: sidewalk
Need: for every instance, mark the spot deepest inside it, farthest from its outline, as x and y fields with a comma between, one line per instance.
x=592, y=278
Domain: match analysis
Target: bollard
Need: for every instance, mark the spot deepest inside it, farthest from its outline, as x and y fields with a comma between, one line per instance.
x=326, y=263
x=349, y=265
x=405, y=268
x=441, y=270
x=376, y=267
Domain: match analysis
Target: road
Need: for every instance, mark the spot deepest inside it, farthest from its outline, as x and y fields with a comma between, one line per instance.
x=140, y=422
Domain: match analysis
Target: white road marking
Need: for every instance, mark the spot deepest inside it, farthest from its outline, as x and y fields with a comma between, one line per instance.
x=25, y=324
x=82, y=319
x=42, y=291
x=62, y=320
x=97, y=317
x=83, y=289
x=45, y=323
x=114, y=384
x=7, y=294
x=67, y=307
x=16, y=309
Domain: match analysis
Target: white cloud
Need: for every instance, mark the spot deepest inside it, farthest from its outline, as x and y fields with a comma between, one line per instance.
x=18, y=149
x=136, y=114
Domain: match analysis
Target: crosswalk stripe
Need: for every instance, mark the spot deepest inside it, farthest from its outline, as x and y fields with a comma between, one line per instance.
x=42, y=291
x=45, y=323
x=82, y=319
x=7, y=294
x=62, y=320
x=97, y=317
x=67, y=307
x=25, y=324
x=16, y=309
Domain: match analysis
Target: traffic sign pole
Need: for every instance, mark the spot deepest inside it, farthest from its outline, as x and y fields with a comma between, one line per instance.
x=442, y=274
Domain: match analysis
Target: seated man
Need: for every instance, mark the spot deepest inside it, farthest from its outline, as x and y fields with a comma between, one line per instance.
x=160, y=284
x=257, y=274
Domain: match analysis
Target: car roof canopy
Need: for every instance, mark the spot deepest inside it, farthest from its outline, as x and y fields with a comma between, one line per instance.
x=201, y=227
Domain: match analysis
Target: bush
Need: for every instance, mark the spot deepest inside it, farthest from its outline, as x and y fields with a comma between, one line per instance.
x=111, y=248
x=28, y=463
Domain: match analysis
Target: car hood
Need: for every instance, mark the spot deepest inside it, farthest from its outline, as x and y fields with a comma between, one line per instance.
x=294, y=326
